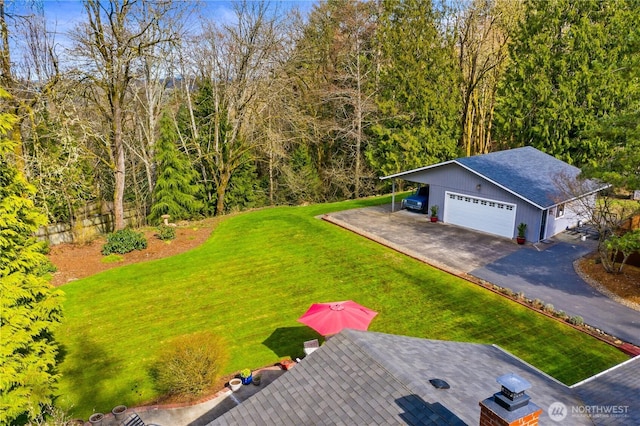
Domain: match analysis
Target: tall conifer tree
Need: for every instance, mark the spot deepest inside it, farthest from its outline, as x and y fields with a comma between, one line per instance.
x=177, y=191
x=30, y=308
x=569, y=76
x=418, y=88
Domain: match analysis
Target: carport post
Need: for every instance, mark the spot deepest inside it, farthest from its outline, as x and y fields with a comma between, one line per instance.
x=393, y=195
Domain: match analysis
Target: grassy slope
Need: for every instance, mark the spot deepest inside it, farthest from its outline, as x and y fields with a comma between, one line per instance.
x=255, y=276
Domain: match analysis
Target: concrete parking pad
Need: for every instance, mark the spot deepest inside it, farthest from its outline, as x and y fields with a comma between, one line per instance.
x=448, y=247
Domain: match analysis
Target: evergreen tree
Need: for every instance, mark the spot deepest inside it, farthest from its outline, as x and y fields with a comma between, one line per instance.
x=622, y=167
x=244, y=190
x=176, y=192
x=568, y=76
x=418, y=89
x=30, y=308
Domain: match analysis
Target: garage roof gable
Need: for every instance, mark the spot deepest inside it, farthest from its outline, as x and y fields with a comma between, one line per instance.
x=526, y=172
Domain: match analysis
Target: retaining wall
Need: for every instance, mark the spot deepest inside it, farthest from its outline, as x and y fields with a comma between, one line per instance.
x=96, y=221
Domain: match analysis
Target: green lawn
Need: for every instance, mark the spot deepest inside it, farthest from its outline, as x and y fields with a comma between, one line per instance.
x=255, y=276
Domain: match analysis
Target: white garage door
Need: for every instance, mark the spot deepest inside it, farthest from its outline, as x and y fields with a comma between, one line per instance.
x=491, y=216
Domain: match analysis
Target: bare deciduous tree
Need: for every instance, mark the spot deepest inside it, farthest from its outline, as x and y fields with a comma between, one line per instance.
x=237, y=61
x=483, y=34
x=109, y=45
x=602, y=211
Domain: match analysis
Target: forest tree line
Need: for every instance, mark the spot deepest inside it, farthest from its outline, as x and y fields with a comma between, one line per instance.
x=151, y=104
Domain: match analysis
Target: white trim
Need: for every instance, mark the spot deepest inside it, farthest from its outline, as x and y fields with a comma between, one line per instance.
x=595, y=191
x=536, y=369
x=501, y=186
x=588, y=379
x=417, y=170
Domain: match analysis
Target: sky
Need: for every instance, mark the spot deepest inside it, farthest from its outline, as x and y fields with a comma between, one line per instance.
x=63, y=15
x=69, y=12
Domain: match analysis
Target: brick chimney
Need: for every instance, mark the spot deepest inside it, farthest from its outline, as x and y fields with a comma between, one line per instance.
x=511, y=406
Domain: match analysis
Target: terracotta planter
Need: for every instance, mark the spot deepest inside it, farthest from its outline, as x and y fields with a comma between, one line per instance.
x=434, y=218
x=521, y=240
x=287, y=364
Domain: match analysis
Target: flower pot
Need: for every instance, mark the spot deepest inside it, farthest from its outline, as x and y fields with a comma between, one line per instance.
x=96, y=418
x=119, y=412
x=247, y=380
x=235, y=384
x=434, y=218
x=256, y=380
x=521, y=240
x=287, y=364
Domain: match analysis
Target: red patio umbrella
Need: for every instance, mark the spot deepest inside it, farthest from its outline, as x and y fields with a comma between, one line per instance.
x=331, y=318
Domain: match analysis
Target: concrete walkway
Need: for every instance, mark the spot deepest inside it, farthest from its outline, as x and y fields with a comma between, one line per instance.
x=543, y=271
x=202, y=413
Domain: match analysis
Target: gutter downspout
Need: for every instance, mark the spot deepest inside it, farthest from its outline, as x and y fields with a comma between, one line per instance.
x=393, y=195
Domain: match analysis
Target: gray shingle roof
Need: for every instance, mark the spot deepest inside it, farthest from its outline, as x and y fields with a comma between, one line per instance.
x=617, y=389
x=373, y=378
x=526, y=172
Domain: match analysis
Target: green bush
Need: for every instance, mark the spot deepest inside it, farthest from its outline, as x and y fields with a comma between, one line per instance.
x=124, y=241
x=576, y=320
x=190, y=364
x=166, y=233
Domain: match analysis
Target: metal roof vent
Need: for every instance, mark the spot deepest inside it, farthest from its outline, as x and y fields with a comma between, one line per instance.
x=439, y=384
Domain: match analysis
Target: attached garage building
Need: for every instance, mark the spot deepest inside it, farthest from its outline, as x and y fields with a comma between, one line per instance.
x=495, y=192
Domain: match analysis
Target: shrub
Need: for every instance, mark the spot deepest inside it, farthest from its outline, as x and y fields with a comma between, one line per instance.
x=549, y=307
x=560, y=314
x=190, y=364
x=166, y=233
x=507, y=291
x=576, y=320
x=124, y=241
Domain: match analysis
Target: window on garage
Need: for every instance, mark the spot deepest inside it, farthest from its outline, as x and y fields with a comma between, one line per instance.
x=560, y=210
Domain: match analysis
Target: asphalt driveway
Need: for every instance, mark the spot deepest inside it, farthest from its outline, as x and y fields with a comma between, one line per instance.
x=548, y=275
x=541, y=271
